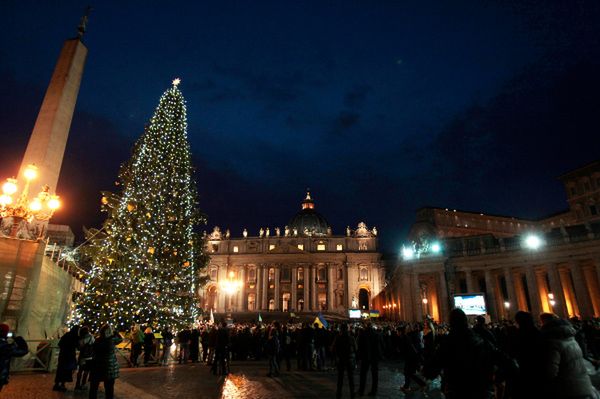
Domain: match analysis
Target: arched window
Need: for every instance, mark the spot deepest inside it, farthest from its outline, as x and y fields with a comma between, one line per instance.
x=300, y=274
x=213, y=273
x=271, y=304
x=322, y=298
x=251, y=301
x=285, y=274
x=300, y=305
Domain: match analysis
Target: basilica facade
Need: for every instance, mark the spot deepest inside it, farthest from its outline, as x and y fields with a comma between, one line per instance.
x=302, y=267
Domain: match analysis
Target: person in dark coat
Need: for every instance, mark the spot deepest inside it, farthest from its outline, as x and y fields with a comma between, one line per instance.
x=204, y=341
x=344, y=348
x=466, y=359
x=104, y=365
x=525, y=347
x=221, y=351
x=167, y=341
x=148, y=345
x=194, y=345
x=370, y=348
x=183, y=337
x=67, y=359
x=413, y=357
x=86, y=354
x=9, y=349
x=272, y=350
x=564, y=375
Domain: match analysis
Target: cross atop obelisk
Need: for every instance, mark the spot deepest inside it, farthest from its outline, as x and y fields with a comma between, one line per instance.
x=48, y=140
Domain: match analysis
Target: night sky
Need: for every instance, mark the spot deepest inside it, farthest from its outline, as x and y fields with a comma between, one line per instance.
x=379, y=107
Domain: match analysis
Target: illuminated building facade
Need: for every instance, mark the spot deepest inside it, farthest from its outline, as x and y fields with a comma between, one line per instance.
x=548, y=265
x=302, y=267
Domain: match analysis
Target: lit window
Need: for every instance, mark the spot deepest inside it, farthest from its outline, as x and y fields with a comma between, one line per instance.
x=300, y=274
x=271, y=247
x=339, y=247
x=301, y=247
x=236, y=249
x=364, y=273
x=320, y=247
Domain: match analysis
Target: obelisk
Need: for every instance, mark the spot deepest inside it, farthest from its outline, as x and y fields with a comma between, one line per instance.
x=48, y=140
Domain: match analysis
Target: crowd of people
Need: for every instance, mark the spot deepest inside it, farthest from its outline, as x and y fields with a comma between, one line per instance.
x=524, y=358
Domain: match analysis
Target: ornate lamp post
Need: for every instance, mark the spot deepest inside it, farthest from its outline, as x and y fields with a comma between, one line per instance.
x=25, y=218
x=231, y=286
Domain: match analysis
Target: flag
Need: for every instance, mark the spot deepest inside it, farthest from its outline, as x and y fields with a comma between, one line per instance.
x=212, y=317
x=320, y=320
x=259, y=318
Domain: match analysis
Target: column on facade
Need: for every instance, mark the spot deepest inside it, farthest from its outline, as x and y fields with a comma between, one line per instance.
x=581, y=291
x=330, y=284
x=532, y=288
x=417, y=304
x=512, y=295
x=597, y=266
x=313, y=287
x=265, y=287
x=277, y=288
x=443, y=296
x=490, y=287
x=543, y=288
x=407, y=298
x=242, y=302
x=520, y=291
x=258, y=287
x=566, y=282
x=469, y=281
x=294, y=293
x=593, y=285
x=305, y=284
x=559, y=307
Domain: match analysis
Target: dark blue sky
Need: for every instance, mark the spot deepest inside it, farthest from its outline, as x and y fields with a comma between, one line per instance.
x=379, y=107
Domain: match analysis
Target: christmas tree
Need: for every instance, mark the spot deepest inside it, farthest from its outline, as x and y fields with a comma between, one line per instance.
x=147, y=257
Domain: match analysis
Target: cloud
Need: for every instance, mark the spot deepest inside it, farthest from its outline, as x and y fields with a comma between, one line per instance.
x=357, y=96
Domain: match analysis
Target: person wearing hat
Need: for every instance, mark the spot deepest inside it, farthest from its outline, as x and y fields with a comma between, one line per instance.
x=9, y=348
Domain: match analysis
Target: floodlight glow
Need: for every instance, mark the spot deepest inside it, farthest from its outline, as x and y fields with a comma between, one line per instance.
x=35, y=205
x=54, y=202
x=533, y=242
x=407, y=253
x=507, y=305
x=436, y=247
x=10, y=187
x=30, y=172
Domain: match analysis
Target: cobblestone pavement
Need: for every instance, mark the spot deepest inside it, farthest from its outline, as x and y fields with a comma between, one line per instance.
x=247, y=380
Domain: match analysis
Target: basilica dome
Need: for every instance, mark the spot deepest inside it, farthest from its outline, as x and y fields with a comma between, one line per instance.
x=309, y=222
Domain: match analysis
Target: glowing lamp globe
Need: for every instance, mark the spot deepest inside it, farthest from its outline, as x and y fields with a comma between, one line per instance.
x=407, y=253
x=10, y=187
x=5, y=200
x=30, y=172
x=54, y=202
x=35, y=205
x=436, y=247
x=533, y=242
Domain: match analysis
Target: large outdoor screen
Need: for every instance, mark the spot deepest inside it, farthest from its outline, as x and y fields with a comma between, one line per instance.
x=354, y=313
x=471, y=304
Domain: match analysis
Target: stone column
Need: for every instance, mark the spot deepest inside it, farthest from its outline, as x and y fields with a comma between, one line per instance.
x=330, y=283
x=265, y=287
x=581, y=291
x=277, y=288
x=417, y=304
x=306, y=283
x=258, y=286
x=512, y=295
x=294, y=293
x=443, y=296
x=490, y=287
x=532, y=288
x=242, y=303
x=593, y=284
x=407, y=298
x=313, y=288
x=557, y=291
x=469, y=281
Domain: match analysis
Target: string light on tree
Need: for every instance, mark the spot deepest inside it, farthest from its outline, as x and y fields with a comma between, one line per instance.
x=147, y=258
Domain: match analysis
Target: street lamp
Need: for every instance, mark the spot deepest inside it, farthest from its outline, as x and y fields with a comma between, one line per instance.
x=551, y=300
x=14, y=212
x=231, y=287
x=533, y=241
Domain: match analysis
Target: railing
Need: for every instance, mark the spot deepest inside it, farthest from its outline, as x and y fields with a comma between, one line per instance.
x=42, y=356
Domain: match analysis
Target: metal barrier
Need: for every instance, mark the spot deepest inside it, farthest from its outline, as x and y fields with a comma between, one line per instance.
x=42, y=356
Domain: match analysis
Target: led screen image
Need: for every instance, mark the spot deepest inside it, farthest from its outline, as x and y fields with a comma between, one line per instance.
x=471, y=304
